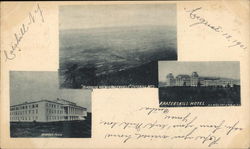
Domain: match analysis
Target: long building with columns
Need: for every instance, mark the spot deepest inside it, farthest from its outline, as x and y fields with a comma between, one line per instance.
x=47, y=111
x=195, y=80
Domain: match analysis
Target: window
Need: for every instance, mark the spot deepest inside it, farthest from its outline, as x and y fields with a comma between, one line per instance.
x=36, y=105
x=36, y=111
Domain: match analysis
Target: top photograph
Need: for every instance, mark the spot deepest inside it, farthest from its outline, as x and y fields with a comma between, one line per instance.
x=115, y=45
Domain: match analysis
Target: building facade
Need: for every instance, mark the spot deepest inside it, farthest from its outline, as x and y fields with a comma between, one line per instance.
x=195, y=80
x=47, y=111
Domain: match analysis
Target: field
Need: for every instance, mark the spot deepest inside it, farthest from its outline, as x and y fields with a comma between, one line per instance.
x=114, y=56
x=66, y=129
x=210, y=96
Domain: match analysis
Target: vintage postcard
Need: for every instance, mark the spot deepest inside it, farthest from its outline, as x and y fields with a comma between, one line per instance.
x=125, y=74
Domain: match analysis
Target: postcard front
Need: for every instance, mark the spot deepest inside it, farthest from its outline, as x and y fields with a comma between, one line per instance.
x=125, y=74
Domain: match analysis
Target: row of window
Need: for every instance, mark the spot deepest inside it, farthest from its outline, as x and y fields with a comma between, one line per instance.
x=55, y=117
x=52, y=111
x=53, y=105
x=24, y=112
x=32, y=118
x=75, y=111
x=24, y=107
x=73, y=117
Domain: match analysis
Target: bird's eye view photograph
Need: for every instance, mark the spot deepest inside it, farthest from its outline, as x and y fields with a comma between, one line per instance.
x=115, y=45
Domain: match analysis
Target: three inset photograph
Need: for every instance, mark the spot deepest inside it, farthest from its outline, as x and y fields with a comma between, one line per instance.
x=129, y=45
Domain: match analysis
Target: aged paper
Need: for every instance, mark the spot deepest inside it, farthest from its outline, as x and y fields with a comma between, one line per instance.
x=118, y=113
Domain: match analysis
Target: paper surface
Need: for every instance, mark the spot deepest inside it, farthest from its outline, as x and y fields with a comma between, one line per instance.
x=131, y=117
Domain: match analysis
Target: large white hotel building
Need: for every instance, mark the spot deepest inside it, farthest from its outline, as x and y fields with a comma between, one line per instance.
x=47, y=111
x=195, y=80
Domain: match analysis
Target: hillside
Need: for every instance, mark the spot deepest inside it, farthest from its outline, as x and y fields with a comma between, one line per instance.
x=100, y=52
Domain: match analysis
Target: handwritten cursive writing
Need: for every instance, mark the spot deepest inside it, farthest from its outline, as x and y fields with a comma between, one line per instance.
x=199, y=20
x=33, y=16
x=184, y=127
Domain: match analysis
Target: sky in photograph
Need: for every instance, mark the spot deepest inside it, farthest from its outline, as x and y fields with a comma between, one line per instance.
x=207, y=69
x=34, y=86
x=97, y=16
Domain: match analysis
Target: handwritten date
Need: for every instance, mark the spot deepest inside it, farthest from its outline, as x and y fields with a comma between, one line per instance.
x=199, y=20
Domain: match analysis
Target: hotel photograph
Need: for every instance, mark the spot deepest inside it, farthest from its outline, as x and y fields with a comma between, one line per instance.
x=199, y=83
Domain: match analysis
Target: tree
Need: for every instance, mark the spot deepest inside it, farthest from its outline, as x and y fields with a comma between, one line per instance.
x=70, y=76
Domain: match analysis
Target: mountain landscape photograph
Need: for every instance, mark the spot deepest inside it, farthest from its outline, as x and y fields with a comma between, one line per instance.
x=106, y=45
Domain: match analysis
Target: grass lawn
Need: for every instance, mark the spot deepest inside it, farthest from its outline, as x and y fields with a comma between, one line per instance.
x=64, y=129
x=208, y=95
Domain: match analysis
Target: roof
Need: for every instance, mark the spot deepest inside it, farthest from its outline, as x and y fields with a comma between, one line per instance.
x=195, y=74
x=209, y=78
x=43, y=101
x=35, y=102
x=63, y=101
x=183, y=76
x=170, y=75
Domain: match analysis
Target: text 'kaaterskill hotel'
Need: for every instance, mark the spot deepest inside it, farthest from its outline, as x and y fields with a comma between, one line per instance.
x=47, y=111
